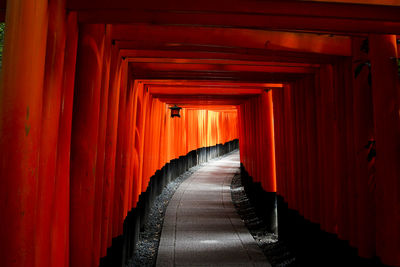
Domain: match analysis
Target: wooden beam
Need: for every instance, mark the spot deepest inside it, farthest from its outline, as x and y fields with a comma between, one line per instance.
x=220, y=76
x=289, y=15
x=245, y=21
x=203, y=97
x=208, y=102
x=271, y=7
x=364, y=2
x=245, y=55
x=225, y=108
x=213, y=61
x=214, y=87
x=176, y=36
x=171, y=67
x=199, y=83
x=201, y=91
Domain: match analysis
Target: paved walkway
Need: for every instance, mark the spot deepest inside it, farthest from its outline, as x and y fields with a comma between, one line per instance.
x=201, y=226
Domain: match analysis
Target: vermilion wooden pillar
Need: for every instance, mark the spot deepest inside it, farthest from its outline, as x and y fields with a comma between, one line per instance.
x=141, y=126
x=131, y=136
x=52, y=90
x=244, y=137
x=285, y=152
x=298, y=177
x=241, y=133
x=120, y=156
x=98, y=209
x=21, y=88
x=386, y=106
x=84, y=142
x=348, y=137
x=134, y=135
x=137, y=144
x=110, y=149
x=60, y=223
x=333, y=151
x=289, y=140
x=128, y=149
x=148, y=144
x=277, y=98
x=256, y=131
x=327, y=129
x=302, y=149
x=145, y=122
x=269, y=142
x=343, y=112
x=363, y=132
x=350, y=206
x=320, y=119
x=254, y=118
x=253, y=142
x=312, y=148
x=302, y=157
x=163, y=139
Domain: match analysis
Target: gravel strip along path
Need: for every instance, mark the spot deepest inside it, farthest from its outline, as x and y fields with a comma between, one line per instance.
x=274, y=249
x=149, y=239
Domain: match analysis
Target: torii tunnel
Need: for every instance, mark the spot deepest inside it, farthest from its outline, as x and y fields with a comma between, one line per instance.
x=310, y=90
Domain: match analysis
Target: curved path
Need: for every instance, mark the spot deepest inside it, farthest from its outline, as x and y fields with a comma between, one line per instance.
x=201, y=226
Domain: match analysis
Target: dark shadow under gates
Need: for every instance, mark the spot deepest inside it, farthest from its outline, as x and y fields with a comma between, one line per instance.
x=123, y=247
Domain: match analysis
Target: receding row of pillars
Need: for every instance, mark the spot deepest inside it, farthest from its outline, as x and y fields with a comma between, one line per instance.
x=315, y=171
x=79, y=139
x=337, y=148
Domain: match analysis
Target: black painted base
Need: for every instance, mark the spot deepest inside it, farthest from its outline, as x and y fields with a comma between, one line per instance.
x=123, y=247
x=310, y=245
x=264, y=202
x=313, y=246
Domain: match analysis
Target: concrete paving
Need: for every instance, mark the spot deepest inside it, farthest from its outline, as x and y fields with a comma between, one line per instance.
x=201, y=226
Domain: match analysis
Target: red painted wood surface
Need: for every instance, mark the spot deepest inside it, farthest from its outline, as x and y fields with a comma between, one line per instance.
x=21, y=92
x=99, y=190
x=385, y=92
x=110, y=151
x=84, y=140
x=60, y=225
x=78, y=150
x=335, y=151
x=257, y=147
x=52, y=91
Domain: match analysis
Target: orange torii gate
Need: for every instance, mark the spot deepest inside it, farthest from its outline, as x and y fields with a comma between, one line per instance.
x=85, y=128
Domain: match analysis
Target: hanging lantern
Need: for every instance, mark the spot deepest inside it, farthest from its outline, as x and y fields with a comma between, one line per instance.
x=175, y=111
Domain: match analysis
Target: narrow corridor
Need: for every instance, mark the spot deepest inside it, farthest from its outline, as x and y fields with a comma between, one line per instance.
x=201, y=225
x=104, y=103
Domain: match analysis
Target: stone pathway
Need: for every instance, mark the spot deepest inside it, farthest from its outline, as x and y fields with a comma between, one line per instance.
x=201, y=226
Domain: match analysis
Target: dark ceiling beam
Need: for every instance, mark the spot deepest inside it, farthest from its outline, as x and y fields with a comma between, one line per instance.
x=293, y=15
x=209, y=102
x=172, y=67
x=228, y=54
x=203, y=97
x=365, y=2
x=219, y=76
x=213, y=91
x=225, y=108
x=271, y=7
x=213, y=61
x=195, y=83
x=248, y=21
x=215, y=87
x=146, y=36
